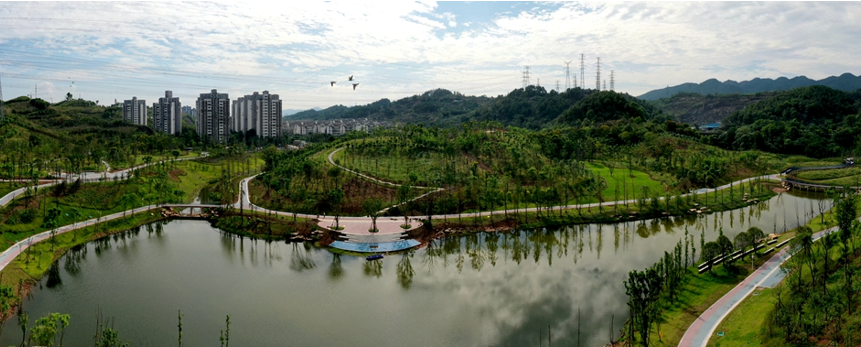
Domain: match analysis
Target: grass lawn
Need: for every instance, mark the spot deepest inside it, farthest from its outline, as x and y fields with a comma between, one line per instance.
x=621, y=182
x=742, y=327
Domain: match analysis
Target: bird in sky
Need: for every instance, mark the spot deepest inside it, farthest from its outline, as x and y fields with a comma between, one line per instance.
x=354, y=85
x=332, y=83
x=351, y=77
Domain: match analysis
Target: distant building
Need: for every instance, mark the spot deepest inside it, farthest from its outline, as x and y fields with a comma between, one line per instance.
x=189, y=110
x=334, y=127
x=167, y=114
x=258, y=111
x=213, y=117
x=134, y=111
x=711, y=127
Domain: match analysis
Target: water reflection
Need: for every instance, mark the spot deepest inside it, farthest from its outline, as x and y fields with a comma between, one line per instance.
x=471, y=289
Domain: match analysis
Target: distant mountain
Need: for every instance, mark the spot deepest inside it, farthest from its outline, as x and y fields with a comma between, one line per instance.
x=292, y=111
x=846, y=82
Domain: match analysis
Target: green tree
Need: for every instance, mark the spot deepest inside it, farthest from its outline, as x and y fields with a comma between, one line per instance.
x=7, y=298
x=44, y=333
x=845, y=212
x=336, y=199
x=372, y=207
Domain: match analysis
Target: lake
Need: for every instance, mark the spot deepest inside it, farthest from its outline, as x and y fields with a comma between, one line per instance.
x=478, y=289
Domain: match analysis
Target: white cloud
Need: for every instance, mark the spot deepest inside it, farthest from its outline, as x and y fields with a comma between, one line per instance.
x=409, y=47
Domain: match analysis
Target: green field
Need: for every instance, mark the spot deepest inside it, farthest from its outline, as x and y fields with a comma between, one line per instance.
x=620, y=182
x=742, y=327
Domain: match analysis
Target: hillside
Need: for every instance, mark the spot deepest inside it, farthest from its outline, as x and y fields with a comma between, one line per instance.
x=532, y=107
x=846, y=82
x=79, y=133
x=432, y=107
x=816, y=121
x=698, y=109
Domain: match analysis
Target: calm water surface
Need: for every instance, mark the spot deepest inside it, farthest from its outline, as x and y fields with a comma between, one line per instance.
x=482, y=289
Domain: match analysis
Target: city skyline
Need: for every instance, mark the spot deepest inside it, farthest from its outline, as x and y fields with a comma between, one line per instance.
x=397, y=50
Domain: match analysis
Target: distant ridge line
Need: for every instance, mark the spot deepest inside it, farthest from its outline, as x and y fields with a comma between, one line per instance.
x=846, y=82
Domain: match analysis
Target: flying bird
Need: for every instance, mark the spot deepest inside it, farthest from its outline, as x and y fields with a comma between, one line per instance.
x=351, y=77
x=332, y=83
x=354, y=86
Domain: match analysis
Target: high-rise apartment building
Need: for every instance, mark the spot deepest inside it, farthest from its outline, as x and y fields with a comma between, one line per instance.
x=213, y=117
x=134, y=111
x=166, y=114
x=258, y=111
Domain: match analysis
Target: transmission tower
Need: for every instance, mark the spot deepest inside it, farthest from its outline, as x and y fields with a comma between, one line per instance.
x=2, y=114
x=613, y=80
x=525, y=77
x=568, y=76
x=598, y=74
x=582, y=71
x=557, y=85
x=605, y=84
x=575, y=80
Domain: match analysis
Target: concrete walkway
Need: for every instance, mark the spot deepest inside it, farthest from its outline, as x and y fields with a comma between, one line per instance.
x=769, y=274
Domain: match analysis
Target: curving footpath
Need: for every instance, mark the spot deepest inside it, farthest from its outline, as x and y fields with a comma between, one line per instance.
x=767, y=275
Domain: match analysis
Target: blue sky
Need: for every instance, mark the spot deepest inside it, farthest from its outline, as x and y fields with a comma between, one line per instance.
x=115, y=50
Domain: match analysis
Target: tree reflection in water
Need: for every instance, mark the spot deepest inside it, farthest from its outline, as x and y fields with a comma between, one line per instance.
x=336, y=270
x=405, y=270
x=373, y=268
x=300, y=259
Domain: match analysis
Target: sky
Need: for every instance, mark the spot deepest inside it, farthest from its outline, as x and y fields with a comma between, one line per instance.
x=110, y=51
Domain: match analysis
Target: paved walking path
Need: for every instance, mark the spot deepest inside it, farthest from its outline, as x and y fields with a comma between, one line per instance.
x=767, y=275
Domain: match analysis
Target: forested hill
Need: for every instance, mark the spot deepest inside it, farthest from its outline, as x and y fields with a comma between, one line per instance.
x=815, y=121
x=698, y=109
x=845, y=82
x=532, y=107
x=431, y=107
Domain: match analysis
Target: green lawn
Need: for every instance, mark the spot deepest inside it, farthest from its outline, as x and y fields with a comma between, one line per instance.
x=620, y=183
x=742, y=327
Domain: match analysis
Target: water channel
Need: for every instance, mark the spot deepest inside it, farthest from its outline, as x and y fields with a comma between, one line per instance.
x=480, y=289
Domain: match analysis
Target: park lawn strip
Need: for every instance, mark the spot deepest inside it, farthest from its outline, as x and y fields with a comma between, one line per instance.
x=698, y=293
x=743, y=325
